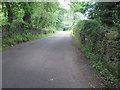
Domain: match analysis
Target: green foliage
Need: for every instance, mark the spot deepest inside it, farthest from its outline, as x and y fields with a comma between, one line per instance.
x=99, y=36
x=22, y=38
x=27, y=37
x=45, y=15
x=101, y=45
x=10, y=41
x=23, y=21
x=44, y=35
x=79, y=6
x=17, y=38
x=106, y=12
x=98, y=64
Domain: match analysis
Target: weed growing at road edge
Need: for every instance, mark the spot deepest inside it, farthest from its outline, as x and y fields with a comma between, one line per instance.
x=15, y=39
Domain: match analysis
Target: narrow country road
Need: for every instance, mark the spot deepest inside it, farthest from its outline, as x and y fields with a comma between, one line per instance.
x=51, y=62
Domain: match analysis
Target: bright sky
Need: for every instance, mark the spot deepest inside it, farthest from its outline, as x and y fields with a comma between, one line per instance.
x=65, y=3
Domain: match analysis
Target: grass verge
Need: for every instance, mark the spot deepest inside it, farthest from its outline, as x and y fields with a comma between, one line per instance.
x=16, y=39
x=110, y=80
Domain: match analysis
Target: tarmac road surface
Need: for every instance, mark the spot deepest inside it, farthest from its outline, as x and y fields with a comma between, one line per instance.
x=50, y=62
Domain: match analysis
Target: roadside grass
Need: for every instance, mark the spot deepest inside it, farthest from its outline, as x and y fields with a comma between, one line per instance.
x=16, y=39
x=109, y=79
x=44, y=35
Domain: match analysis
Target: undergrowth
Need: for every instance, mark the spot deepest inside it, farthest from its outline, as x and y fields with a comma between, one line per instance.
x=15, y=39
x=109, y=78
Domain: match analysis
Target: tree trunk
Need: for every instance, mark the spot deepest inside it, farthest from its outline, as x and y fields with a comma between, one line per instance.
x=10, y=12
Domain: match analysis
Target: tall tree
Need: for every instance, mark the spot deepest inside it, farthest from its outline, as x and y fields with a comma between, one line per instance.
x=10, y=12
x=107, y=12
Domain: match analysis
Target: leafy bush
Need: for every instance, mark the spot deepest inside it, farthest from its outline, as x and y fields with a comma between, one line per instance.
x=10, y=41
x=27, y=36
x=89, y=26
x=17, y=38
x=101, y=44
x=112, y=33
